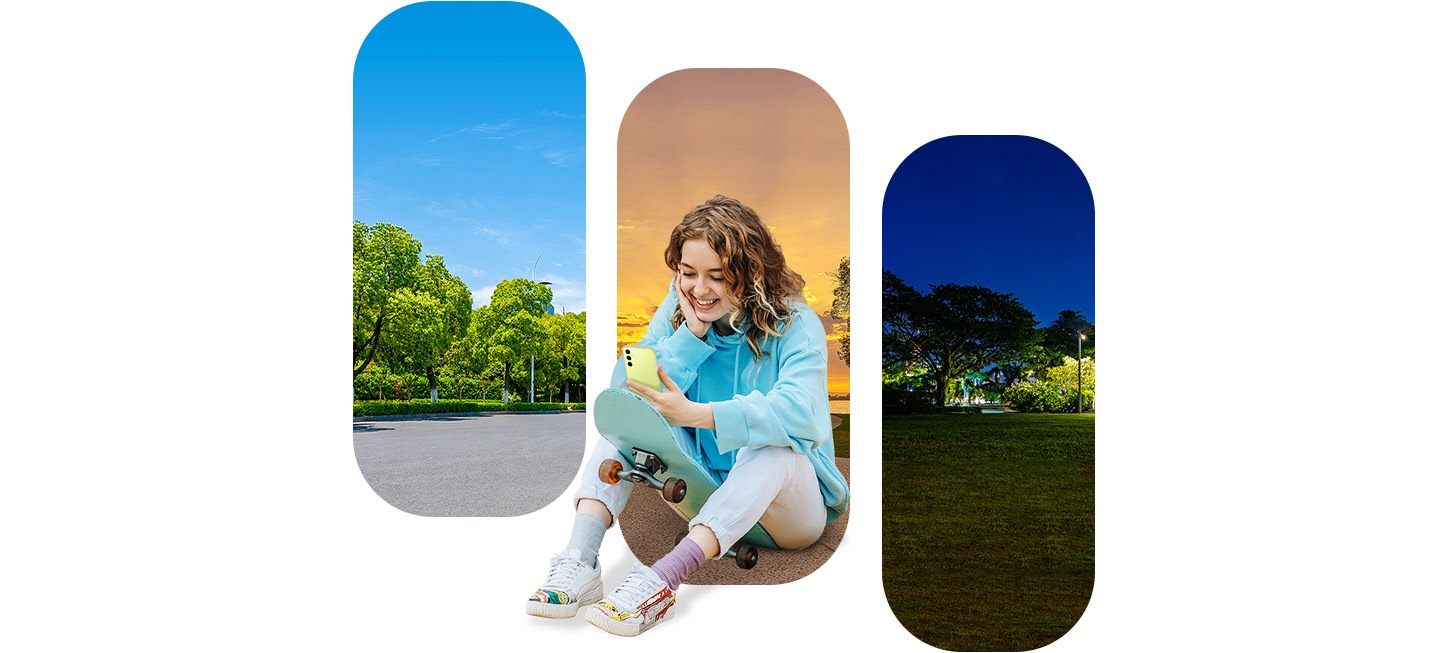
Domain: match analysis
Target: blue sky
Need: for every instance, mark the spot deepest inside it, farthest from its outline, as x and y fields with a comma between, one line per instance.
x=470, y=134
x=1010, y=213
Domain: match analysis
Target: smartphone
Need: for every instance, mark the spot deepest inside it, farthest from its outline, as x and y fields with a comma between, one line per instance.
x=640, y=367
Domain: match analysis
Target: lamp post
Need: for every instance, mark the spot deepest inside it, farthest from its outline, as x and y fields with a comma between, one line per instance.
x=532, y=356
x=1079, y=386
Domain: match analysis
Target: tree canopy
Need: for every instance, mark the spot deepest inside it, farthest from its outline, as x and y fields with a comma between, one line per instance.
x=1061, y=338
x=517, y=331
x=952, y=331
x=564, y=356
x=385, y=263
x=412, y=316
x=840, y=307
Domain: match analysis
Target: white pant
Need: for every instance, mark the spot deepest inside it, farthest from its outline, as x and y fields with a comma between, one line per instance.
x=774, y=486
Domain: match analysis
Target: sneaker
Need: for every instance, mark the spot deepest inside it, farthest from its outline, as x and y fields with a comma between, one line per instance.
x=639, y=603
x=571, y=585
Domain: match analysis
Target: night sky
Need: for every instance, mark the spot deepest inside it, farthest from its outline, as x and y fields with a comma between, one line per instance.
x=1010, y=213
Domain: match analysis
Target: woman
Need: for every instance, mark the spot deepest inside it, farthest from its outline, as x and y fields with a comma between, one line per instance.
x=742, y=361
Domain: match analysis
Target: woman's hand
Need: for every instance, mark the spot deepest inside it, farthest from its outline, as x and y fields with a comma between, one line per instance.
x=673, y=405
x=687, y=309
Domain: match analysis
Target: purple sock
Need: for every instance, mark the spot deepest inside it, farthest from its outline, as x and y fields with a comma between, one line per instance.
x=679, y=563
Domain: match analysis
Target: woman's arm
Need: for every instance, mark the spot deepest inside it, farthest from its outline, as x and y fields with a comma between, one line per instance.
x=674, y=406
x=678, y=352
x=794, y=412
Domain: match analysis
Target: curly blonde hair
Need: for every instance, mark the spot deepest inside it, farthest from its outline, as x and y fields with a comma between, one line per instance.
x=752, y=263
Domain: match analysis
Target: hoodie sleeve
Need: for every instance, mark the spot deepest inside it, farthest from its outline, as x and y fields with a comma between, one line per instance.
x=678, y=352
x=795, y=412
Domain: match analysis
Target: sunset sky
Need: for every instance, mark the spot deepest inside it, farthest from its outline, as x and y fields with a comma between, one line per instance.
x=770, y=138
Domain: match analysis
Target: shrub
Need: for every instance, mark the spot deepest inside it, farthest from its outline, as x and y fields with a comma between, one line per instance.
x=382, y=386
x=391, y=387
x=368, y=408
x=899, y=401
x=1041, y=397
x=1055, y=391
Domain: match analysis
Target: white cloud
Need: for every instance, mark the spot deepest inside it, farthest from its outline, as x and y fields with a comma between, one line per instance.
x=567, y=293
x=565, y=158
x=498, y=236
x=434, y=209
x=482, y=296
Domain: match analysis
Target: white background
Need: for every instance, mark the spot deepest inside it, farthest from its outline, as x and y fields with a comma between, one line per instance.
x=177, y=462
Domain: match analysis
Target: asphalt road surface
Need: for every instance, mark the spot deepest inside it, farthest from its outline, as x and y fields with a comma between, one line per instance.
x=495, y=466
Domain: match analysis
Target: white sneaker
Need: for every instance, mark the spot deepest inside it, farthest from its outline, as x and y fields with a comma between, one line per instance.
x=639, y=603
x=571, y=585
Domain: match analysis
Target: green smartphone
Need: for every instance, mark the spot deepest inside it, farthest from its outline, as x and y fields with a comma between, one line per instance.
x=640, y=367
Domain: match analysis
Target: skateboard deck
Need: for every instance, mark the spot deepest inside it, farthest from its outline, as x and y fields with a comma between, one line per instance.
x=630, y=423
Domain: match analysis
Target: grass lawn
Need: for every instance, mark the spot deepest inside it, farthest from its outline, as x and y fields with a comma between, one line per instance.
x=842, y=437
x=988, y=527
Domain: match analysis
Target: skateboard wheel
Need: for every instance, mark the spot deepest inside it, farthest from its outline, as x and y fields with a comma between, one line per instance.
x=610, y=471
x=674, y=490
x=746, y=557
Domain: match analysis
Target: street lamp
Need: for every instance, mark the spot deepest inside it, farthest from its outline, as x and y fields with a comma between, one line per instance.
x=532, y=356
x=1079, y=387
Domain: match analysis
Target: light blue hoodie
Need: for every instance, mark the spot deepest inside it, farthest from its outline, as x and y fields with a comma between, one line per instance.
x=781, y=401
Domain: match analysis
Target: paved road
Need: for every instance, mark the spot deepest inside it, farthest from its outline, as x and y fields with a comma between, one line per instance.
x=496, y=466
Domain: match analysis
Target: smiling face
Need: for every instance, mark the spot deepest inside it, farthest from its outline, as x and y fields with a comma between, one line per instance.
x=703, y=280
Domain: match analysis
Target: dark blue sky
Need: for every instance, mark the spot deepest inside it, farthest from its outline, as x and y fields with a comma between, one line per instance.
x=1010, y=213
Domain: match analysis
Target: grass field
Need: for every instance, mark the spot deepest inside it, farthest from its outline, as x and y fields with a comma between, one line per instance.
x=988, y=527
x=842, y=437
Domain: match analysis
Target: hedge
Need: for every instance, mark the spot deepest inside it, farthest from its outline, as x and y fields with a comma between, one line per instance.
x=369, y=408
x=373, y=386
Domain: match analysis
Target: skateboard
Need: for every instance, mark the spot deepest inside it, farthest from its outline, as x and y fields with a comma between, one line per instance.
x=652, y=457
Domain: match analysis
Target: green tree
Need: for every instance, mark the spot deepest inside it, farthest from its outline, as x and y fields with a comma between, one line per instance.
x=840, y=307
x=1018, y=364
x=952, y=330
x=517, y=332
x=1061, y=338
x=385, y=260
x=564, y=354
x=470, y=354
x=430, y=320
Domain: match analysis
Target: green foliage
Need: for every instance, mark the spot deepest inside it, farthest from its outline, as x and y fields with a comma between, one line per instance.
x=951, y=331
x=563, y=360
x=1062, y=338
x=384, y=260
x=840, y=307
x=470, y=354
x=369, y=408
x=406, y=313
x=515, y=321
x=376, y=385
x=1040, y=397
x=414, y=318
x=1055, y=392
